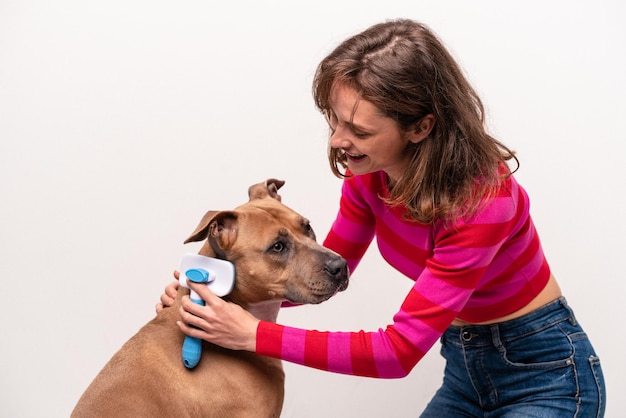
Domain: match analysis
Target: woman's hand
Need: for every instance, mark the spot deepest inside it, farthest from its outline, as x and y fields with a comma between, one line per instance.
x=219, y=322
x=168, y=298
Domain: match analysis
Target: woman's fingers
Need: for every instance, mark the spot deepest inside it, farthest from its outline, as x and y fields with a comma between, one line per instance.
x=172, y=288
x=169, y=296
x=193, y=314
x=192, y=331
x=223, y=323
x=205, y=293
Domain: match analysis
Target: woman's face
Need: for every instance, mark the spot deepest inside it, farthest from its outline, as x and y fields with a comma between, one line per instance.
x=370, y=141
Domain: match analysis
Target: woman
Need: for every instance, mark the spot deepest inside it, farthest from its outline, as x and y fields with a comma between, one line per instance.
x=423, y=176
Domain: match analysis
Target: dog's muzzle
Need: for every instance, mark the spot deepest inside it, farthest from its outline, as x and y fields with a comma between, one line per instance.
x=337, y=270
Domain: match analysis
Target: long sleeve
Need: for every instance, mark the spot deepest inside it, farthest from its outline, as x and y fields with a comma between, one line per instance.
x=476, y=269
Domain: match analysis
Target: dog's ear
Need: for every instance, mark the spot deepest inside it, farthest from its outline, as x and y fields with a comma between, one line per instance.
x=202, y=230
x=218, y=227
x=269, y=188
x=222, y=232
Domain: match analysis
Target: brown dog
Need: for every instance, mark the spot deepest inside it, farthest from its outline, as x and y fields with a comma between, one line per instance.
x=276, y=258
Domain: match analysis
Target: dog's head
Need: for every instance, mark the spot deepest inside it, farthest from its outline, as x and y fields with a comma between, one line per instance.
x=274, y=250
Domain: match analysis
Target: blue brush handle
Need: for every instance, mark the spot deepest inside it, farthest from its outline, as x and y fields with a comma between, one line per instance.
x=192, y=347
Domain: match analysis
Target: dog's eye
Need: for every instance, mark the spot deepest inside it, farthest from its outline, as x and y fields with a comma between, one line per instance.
x=278, y=247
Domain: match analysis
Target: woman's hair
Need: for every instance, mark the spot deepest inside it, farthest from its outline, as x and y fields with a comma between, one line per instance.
x=403, y=69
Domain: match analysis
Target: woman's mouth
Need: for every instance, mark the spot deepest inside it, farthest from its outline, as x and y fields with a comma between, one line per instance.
x=354, y=157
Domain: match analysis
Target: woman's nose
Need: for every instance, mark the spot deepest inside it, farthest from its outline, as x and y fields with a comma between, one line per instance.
x=339, y=140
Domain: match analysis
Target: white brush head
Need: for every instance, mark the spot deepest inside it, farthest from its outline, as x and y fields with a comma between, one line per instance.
x=218, y=275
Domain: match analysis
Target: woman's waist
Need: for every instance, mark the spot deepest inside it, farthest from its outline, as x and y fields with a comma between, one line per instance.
x=550, y=292
x=538, y=320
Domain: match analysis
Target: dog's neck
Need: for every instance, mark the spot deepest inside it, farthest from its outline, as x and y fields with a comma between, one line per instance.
x=265, y=311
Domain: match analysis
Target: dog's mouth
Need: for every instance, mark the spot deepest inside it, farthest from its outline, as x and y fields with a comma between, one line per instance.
x=315, y=292
x=319, y=282
x=326, y=294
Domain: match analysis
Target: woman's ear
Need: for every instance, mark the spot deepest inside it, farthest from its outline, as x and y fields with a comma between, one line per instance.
x=423, y=129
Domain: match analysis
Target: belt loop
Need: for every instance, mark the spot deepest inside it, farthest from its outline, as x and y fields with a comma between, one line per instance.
x=495, y=337
x=572, y=317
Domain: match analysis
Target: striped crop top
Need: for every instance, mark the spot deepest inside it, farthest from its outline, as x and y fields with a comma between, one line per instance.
x=475, y=269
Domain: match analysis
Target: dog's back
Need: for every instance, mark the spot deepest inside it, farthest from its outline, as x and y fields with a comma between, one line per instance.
x=147, y=378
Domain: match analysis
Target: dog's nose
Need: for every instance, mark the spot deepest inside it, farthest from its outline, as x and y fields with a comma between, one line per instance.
x=337, y=268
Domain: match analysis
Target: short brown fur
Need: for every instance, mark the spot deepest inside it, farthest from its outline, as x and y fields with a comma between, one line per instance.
x=147, y=378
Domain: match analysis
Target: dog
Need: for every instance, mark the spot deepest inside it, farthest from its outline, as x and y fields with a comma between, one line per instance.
x=277, y=259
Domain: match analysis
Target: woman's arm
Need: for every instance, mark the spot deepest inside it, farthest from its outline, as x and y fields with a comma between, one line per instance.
x=479, y=269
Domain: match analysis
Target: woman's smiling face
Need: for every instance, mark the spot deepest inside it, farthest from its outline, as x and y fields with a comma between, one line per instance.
x=370, y=140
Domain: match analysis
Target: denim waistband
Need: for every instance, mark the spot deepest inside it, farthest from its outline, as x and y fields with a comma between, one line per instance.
x=556, y=311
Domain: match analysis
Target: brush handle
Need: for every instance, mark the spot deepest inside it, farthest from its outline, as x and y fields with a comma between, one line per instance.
x=192, y=347
x=219, y=276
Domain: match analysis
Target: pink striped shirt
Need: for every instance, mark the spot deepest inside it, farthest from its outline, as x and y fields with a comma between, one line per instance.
x=475, y=269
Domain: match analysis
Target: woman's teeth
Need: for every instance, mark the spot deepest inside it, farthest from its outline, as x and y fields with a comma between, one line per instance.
x=355, y=156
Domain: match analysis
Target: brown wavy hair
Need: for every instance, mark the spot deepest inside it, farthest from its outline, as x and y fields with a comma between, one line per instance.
x=403, y=69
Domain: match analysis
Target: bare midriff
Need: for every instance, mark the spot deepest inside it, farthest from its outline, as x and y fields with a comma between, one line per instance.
x=549, y=293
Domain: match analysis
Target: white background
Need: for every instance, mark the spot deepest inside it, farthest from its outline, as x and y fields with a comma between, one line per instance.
x=122, y=122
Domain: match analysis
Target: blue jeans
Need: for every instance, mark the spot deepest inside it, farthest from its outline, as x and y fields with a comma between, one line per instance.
x=539, y=365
